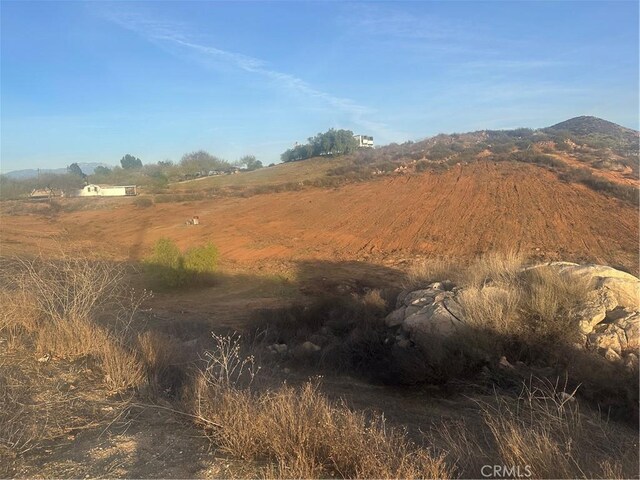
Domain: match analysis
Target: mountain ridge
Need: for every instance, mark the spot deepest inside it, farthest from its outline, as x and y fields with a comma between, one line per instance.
x=87, y=168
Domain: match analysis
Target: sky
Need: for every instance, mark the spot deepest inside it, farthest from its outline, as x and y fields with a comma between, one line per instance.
x=92, y=81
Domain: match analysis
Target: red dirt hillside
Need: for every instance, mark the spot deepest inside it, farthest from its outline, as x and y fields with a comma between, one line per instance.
x=464, y=211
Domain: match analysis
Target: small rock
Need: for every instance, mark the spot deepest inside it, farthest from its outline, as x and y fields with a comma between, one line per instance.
x=590, y=316
x=612, y=355
x=420, y=298
x=280, y=348
x=403, y=343
x=309, y=347
x=631, y=361
x=608, y=337
x=504, y=364
x=45, y=358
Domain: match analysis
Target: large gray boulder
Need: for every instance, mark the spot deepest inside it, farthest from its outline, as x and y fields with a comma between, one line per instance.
x=431, y=322
x=622, y=286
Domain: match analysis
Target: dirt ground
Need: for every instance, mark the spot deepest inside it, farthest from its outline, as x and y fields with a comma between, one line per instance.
x=465, y=211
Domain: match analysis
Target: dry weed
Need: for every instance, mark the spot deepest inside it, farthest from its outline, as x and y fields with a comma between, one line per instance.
x=122, y=368
x=544, y=429
x=431, y=270
x=299, y=431
x=161, y=356
x=493, y=267
x=550, y=300
x=73, y=307
x=539, y=434
x=373, y=300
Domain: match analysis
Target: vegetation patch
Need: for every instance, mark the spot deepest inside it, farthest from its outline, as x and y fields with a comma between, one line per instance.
x=167, y=267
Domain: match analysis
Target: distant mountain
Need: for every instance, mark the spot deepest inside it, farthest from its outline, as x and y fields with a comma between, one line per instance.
x=87, y=169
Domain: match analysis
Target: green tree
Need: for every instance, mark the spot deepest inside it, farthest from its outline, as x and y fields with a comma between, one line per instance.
x=201, y=162
x=250, y=162
x=74, y=169
x=100, y=170
x=129, y=162
x=331, y=142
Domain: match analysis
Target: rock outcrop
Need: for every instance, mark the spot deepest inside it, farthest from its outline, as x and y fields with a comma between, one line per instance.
x=609, y=320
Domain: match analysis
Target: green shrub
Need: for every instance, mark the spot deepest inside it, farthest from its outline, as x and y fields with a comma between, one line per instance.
x=167, y=267
x=201, y=260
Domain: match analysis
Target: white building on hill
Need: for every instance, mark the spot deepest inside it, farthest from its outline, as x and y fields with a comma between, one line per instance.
x=364, y=141
x=106, y=191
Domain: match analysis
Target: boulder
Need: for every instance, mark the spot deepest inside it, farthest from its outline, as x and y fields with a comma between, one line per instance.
x=454, y=308
x=626, y=292
x=401, y=296
x=432, y=321
x=622, y=285
x=410, y=310
x=612, y=355
x=603, y=297
x=395, y=318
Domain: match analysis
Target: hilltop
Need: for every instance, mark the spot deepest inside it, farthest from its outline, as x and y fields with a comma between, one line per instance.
x=588, y=125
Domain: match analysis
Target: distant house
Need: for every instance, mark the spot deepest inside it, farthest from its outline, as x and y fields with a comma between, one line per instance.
x=45, y=193
x=106, y=191
x=364, y=141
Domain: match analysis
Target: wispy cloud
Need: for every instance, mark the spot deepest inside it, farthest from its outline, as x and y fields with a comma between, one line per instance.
x=166, y=34
x=511, y=65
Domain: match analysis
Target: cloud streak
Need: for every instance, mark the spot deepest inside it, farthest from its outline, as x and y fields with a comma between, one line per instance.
x=172, y=34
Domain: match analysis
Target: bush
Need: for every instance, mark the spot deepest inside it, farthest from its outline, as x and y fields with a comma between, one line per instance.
x=167, y=267
x=627, y=193
x=201, y=260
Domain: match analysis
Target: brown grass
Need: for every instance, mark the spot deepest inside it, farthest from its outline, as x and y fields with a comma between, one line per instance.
x=298, y=432
x=71, y=308
x=429, y=270
x=536, y=305
x=543, y=431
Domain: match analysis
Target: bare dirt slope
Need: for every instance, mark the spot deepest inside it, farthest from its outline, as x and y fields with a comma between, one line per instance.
x=462, y=212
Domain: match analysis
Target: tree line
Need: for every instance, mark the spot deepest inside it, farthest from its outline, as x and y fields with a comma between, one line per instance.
x=331, y=142
x=131, y=171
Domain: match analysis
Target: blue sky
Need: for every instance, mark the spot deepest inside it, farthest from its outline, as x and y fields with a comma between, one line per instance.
x=83, y=82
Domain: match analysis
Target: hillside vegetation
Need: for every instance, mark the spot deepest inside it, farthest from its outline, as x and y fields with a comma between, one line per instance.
x=594, y=152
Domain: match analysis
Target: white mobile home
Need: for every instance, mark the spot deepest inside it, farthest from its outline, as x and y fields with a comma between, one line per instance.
x=106, y=191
